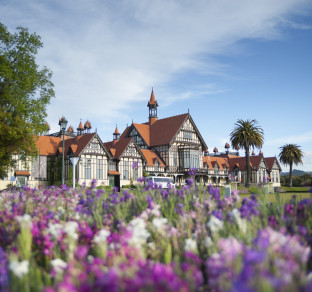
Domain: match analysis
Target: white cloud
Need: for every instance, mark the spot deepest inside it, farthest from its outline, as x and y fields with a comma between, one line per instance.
x=106, y=55
x=293, y=139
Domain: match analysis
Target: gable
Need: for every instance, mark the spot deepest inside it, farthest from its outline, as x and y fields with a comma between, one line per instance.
x=131, y=151
x=262, y=164
x=187, y=133
x=94, y=147
x=140, y=134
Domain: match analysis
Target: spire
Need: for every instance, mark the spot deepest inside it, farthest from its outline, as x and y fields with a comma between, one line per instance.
x=116, y=135
x=87, y=126
x=80, y=129
x=70, y=129
x=152, y=105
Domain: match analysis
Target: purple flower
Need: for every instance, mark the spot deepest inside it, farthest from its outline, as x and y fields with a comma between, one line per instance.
x=179, y=209
x=93, y=183
x=214, y=192
x=289, y=209
x=192, y=172
x=249, y=208
x=135, y=165
x=272, y=221
x=218, y=214
x=4, y=279
x=141, y=179
x=190, y=182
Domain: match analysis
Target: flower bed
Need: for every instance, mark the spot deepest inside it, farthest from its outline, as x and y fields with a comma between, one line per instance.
x=190, y=239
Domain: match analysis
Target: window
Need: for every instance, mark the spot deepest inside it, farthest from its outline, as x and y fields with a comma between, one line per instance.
x=112, y=165
x=99, y=169
x=187, y=135
x=194, y=159
x=88, y=169
x=175, y=159
x=126, y=171
x=95, y=146
x=131, y=150
x=135, y=173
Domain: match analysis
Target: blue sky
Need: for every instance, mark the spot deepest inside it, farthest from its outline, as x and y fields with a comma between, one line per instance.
x=223, y=60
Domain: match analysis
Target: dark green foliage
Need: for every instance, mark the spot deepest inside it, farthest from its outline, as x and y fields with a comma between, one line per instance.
x=291, y=154
x=25, y=91
x=247, y=134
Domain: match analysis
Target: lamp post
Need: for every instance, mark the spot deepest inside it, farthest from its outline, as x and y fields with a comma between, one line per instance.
x=63, y=124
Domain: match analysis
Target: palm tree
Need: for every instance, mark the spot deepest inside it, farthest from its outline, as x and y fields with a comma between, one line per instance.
x=247, y=134
x=290, y=154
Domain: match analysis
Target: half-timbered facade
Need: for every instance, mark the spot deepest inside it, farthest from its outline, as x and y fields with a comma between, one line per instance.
x=160, y=147
x=174, y=142
x=126, y=160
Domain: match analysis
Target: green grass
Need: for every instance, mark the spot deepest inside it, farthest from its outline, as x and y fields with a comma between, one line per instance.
x=295, y=189
x=284, y=197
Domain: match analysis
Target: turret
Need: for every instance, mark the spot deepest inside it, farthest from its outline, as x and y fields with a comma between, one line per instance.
x=152, y=105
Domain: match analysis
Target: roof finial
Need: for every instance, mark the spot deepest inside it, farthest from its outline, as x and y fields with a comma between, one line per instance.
x=188, y=110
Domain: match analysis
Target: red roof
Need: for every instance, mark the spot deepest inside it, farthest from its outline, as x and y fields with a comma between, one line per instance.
x=163, y=131
x=77, y=143
x=211, y=161
x=241, y=161
x=270, y=162
x=118, y=147
x=144, y=131
x=151, y=157
x=48, y=145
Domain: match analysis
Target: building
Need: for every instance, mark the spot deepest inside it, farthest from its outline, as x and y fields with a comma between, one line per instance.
x=159, y=147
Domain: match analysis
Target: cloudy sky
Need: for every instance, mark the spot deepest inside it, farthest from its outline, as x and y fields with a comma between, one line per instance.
x=221, y=60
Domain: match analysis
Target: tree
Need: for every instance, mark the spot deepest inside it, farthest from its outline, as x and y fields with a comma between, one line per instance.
x=247, y=134
x=25, y=91
x=290, y=154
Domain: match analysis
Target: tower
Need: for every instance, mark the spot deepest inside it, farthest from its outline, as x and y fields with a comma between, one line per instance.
x=152, y=105
x=116, y=135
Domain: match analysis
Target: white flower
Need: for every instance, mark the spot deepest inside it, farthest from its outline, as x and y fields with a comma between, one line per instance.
x=25, y=220
x=215, y=224
x=70, y=229
x=139, y=233
x=101, y=237
x=55, y=229
x=208, y=242
x=158, y=223
x=58, y=265
x=190, y=244
x=19, y=269
x=137, y=223
x=241, y=222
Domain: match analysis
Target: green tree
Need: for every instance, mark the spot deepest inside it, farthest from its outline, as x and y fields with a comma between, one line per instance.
x=25, y=91
x=290, y=154
x=247, y=134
